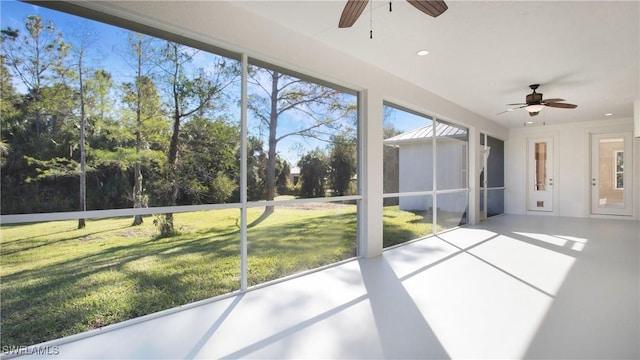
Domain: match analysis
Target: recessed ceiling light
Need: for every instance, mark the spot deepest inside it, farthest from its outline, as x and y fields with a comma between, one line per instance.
x=422, y=52
x=529, y=122
x=608, y=114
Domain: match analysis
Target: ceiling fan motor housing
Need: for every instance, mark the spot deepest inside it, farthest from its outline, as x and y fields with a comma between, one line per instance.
x=534, y=98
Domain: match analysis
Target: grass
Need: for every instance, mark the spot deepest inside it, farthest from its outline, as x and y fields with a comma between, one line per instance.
x=58, y=280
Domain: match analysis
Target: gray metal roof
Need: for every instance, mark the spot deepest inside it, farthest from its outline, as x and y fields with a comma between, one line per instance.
x=426, y=133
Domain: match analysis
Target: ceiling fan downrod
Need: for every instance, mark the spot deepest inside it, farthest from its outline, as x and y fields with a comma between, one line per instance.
x=370, y=19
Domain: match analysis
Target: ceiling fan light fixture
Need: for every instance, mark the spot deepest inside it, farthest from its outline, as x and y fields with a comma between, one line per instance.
x=534, y=108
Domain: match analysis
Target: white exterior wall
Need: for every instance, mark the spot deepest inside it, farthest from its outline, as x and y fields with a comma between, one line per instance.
x=416, y=167
x=416, y=173
x=572, y=166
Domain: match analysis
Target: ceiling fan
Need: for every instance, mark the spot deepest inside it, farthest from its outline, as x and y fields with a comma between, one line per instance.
x=354, y=8
x=534, y=103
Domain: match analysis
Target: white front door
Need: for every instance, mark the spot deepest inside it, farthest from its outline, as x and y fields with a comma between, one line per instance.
x=611, y=161
x=540, y=174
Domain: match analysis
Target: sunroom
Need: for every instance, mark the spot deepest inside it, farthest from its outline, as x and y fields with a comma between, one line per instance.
x=148, y=207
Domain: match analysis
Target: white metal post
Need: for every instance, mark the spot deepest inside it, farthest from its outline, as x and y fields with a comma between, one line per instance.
x=243, y=175
x=370, y=236
x=434, y=200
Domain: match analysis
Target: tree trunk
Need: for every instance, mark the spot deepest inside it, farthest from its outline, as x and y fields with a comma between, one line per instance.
x=137, y=169
x=167, y=228
x=38, y=122
x=137, y=193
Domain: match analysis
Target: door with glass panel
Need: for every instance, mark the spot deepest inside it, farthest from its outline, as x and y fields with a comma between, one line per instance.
x=611, y=173
x=540, y=174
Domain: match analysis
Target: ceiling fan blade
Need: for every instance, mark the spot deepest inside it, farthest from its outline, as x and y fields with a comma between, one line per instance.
x=512, y=109
x=351, y=12
x=430, y=7
x=561, y=105
x=547, y=101
x=518, y=104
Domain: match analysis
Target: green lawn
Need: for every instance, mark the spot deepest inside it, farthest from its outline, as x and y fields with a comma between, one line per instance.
x=57, y=280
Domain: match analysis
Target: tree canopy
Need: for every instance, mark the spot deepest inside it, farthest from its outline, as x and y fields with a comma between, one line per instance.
x=80, y=134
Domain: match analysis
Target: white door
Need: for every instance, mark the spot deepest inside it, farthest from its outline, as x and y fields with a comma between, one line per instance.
x=611, y=161
x=540, y=174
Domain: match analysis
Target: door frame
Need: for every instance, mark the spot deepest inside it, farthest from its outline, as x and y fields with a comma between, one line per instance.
x=629, y=172
x=482, y=213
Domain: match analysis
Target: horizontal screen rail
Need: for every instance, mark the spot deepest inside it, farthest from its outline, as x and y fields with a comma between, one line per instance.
x=95, y=214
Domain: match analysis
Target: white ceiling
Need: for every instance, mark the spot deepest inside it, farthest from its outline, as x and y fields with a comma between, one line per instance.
x=485, y=54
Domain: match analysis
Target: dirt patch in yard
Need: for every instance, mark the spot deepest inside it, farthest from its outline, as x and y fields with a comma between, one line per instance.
x=319, y=206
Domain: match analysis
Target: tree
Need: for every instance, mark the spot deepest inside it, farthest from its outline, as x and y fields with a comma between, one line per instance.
x=313, y=172
x=8, y=108
x=189, y=95
x=98, y=97
x=43, y=137
x=278, y=94
x=4, y=151
x=9, y=101
x=256, y=169
x=37, y=59
x=283, y=182
x=342, y=163
x=143, y=50
x=209, y=164
x=79, y=48
x=147, y=130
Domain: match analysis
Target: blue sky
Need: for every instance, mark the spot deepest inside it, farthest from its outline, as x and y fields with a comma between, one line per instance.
x=13, y=14
x=403, y=120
